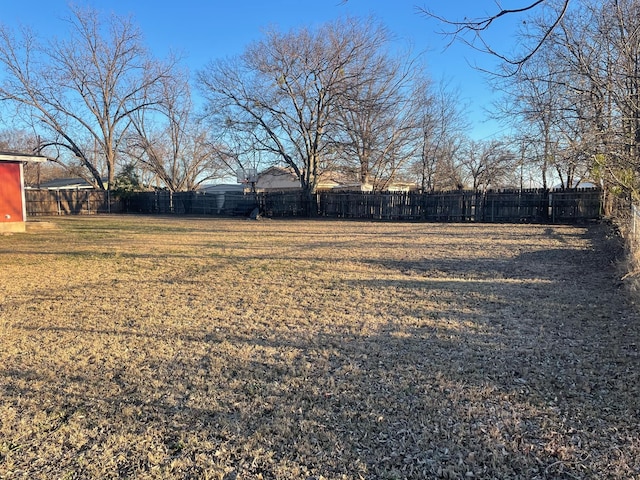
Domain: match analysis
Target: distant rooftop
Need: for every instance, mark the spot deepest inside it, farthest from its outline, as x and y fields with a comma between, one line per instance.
x=67, y=184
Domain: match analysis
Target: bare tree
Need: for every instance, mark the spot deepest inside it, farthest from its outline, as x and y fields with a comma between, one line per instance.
x=616, y=77
x=15, y=140
x=442, y=126
x=534, y=109
x=379, y=120
x=80, y=92
x=582, y=90
x=170, y=144
x=284, y=92
x=486, y=164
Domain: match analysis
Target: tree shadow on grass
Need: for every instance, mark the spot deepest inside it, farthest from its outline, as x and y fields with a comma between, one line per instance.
x=495, y=376
x=472, y=388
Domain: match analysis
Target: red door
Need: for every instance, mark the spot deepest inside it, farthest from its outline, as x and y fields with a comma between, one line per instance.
x=10, y=192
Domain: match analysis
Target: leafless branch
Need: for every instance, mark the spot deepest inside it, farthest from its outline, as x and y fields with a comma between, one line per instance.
x=478, y=26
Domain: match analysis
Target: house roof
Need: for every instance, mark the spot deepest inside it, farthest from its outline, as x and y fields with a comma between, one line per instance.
x=578, y=184
x=276, y=170
x=286, y=174
x=221, y=188
x=67, y=183
x=21, y=157
x=283, y=178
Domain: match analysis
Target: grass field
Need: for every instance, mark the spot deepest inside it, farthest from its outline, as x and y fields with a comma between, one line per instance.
x=174, y=348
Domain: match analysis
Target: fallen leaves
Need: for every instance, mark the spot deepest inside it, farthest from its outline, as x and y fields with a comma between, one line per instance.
x=204, y=348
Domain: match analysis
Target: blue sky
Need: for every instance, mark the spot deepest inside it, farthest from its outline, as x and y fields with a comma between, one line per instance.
x=206, y=30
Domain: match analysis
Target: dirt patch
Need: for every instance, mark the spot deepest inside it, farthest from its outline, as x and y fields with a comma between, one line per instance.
x=140, y=347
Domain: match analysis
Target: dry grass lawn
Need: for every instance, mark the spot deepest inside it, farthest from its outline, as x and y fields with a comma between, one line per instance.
x=175, y=348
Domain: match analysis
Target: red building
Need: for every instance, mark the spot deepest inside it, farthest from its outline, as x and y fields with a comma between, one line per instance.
x=13, y=213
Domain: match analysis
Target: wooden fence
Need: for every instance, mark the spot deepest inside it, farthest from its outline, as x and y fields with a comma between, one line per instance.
x=66, y=202
x=190, y=203
x=457, y=206
x=509, y=206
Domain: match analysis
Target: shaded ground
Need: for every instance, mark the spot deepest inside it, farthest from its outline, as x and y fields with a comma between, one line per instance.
x=140, y=347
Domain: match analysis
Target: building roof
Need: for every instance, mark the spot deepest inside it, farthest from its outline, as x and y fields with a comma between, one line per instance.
x=221, y=188
x=284, y=178
x=21, y=157
x=578, y=184
x=73, y=183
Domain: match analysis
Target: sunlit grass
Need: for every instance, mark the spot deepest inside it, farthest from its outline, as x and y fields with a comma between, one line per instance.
x=145, y=347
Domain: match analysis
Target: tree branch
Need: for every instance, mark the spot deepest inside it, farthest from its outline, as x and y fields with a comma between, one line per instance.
x=480, y=25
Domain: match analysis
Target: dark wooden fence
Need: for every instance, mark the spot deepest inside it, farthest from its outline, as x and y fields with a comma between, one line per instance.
x=288, y=204
x=190, y=203
x=509, y=206
x=558, y=206
x=574, y=206
x=66, y=202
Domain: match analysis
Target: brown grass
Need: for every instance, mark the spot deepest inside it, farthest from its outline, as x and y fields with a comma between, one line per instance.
x=140, y=347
